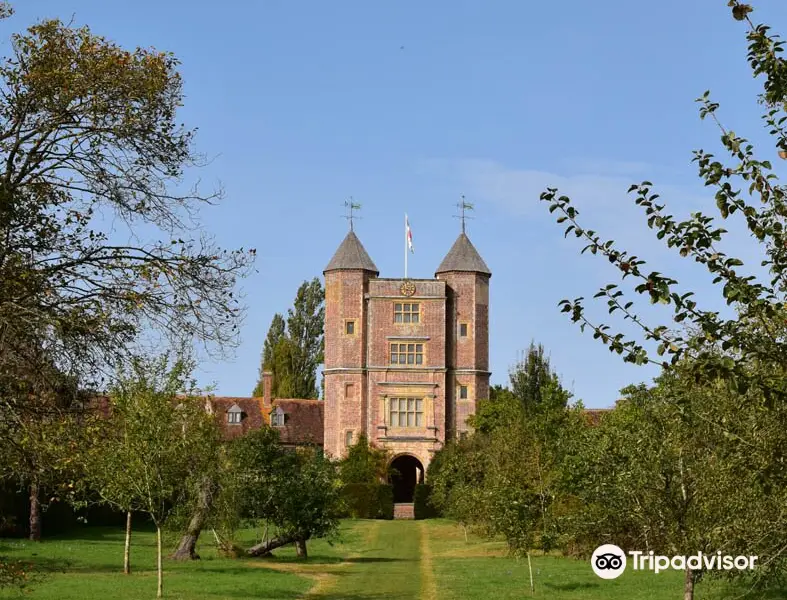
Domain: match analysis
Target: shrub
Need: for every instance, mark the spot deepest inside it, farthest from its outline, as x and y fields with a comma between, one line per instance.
x=368, y=500
x=385, y=501
x=422, y=507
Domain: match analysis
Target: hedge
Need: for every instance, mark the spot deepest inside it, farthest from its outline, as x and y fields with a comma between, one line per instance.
x=368, y=500
x=422, y=508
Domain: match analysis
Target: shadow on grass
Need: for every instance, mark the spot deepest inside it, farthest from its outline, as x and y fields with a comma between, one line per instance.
x=570, y=587
x=370, y=595
x=326, y=560
x=273, y=594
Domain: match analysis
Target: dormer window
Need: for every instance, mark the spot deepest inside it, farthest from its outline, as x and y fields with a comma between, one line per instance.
x=234, y=415
x=277, y=417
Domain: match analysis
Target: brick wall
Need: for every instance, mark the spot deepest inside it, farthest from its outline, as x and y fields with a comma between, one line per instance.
x=360, y=379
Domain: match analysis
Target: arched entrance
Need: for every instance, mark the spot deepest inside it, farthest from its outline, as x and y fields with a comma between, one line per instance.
x=407, y=472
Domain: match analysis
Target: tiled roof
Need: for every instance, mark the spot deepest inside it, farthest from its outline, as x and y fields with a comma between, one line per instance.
x=303, y=421
x=351, y=255
x=251, y=417
x=463, y=257
x=594, y=415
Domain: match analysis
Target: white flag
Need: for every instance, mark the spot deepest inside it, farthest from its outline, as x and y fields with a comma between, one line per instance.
x=409, y=234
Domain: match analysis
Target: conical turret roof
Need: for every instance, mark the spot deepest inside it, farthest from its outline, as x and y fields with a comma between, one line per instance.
x=351, y=255
x=463, y=257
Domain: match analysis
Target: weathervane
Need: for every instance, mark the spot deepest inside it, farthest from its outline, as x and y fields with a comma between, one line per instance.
x=463, y=206
x=351, y=206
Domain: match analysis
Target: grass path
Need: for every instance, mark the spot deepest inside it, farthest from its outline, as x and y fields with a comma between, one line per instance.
x=387, y=568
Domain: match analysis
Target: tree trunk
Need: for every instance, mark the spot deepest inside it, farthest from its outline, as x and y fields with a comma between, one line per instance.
x=187, y=550
x=300, y=549
x=35, y=513
x=530, y=569
x=127, y=547
x=688, y=586
x=264, y=549
x=160, y=588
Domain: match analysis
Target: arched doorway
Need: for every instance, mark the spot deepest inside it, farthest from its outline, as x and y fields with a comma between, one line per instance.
x=407, y=472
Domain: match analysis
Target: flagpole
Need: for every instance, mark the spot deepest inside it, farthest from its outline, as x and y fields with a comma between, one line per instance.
x=405, y=245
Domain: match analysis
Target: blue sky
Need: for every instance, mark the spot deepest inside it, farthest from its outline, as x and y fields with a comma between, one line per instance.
x=407, y=105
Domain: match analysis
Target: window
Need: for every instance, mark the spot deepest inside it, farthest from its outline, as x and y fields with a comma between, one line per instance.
x=277, y=417
x=406, y=412
x=348, y=438
x=349, y=390
x=463, y=392
x=407, y=313
x=407, y=354
x=463, y=330
x=349, y=327
x=234, y=414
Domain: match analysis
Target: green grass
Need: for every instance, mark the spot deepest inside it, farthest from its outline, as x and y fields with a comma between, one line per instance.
x=373, y=560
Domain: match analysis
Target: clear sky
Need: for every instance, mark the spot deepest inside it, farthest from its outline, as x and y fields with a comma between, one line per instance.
x=406, y=105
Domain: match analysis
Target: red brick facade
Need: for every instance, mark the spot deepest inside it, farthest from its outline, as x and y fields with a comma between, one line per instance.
x=364, y=382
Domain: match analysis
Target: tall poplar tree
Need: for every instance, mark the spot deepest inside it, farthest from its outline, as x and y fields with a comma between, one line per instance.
x=294, y=349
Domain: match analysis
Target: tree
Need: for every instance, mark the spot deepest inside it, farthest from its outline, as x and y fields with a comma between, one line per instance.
x=761, y=204
x=294, y=354
x=500, y=410
x=88, y=134
x=658, y=474
x=309, y=506
x=535, y=390
x=456, y=474
x=298, y=492
x=39, y=445
x=156, y=441
x=276, y=333
x=88, y=129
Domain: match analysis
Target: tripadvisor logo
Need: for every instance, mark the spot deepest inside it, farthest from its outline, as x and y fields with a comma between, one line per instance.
x=609, y=561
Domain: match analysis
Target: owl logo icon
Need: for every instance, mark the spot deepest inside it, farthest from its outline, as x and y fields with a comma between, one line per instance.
x=608, y=561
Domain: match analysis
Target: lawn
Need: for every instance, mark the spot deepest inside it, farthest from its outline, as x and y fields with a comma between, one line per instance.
x=372, y=560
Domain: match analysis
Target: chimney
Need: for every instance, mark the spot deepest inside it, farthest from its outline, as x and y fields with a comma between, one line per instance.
x=267, y=388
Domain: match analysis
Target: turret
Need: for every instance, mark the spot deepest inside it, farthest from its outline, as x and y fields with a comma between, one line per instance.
x=346, y=284
x=467, y=352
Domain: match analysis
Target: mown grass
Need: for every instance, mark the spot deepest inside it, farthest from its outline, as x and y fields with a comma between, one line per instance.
x=372, y=560
x=480, y=570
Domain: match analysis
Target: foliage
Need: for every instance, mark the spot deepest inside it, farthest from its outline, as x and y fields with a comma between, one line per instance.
x=364, y=463
x=659, y=473
x=88, y=131
x=88, y=138
x=535, y=394
x=309, y=505
x=156, y=441
x=456, y=475
x=760, y=202
x=422, y=506
x=368, y=500
x=297, y=491
x=501, y=409
x=276, y=333
x=13, y=574
x=504, y=480
x=294, y=354
x=252, y=477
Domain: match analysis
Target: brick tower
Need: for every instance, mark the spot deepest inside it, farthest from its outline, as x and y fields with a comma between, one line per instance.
x=346, y=344
x=405, y=359
x=467, y=349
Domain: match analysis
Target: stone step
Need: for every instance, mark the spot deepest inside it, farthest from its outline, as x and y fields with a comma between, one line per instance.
x=404, y=510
